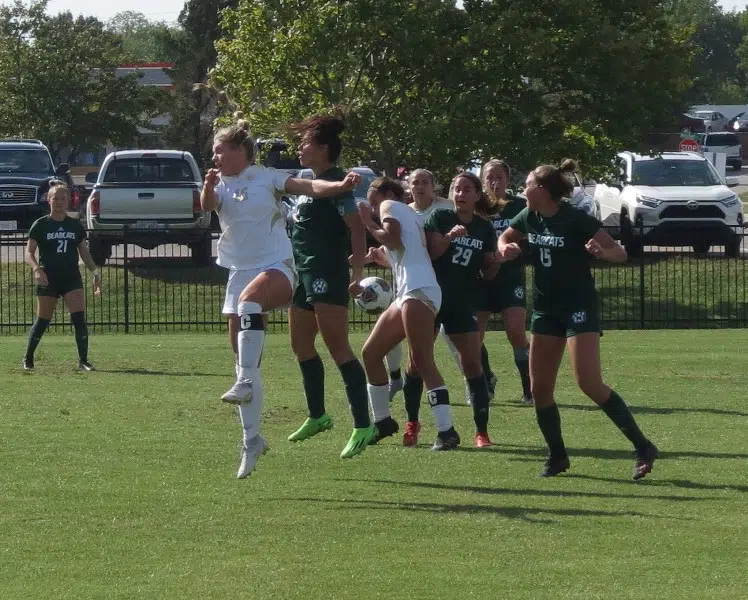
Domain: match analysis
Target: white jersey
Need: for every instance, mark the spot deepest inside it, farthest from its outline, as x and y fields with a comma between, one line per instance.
x=436, y=204
x=252, y=220
x=411, y=264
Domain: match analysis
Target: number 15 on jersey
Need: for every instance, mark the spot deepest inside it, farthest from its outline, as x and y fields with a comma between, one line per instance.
x=545, y=257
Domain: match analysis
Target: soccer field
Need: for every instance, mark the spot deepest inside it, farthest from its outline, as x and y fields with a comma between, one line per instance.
x=120, y=483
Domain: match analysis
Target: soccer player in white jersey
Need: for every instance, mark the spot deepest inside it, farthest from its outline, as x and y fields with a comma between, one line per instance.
x=410, y=316
x=255, y=247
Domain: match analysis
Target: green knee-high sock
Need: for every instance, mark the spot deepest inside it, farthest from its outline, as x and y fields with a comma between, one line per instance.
x=549, y=421
x=313, y=379
x=522, y=360
x=78, y=319
x=412, y=391
x=479, y=402
x=354, y=379
x=35, y=336
x=619, y=413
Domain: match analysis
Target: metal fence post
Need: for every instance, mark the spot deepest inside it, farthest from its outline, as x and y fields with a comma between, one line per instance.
x=641, y=279
x=125, y=258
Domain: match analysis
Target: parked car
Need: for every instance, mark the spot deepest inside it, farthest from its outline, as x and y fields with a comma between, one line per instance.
x=738, y=123
x=148, y=198
x=713, y=120
x=676, y=198
x=725, y=143
x=26, y=168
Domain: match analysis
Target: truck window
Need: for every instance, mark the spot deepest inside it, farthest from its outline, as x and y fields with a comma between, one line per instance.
x=148, y=170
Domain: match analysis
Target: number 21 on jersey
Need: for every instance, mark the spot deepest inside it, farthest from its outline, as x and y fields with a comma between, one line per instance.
x=545, y=257
x=62, y=246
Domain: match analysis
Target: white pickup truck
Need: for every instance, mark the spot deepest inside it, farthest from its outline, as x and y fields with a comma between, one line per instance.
x=148, y=198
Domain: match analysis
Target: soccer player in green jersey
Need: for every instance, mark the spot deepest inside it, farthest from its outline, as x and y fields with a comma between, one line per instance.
x=324, y=231
x=60, y=240
x=505, y=294
x=565, y=308
x=462, y=244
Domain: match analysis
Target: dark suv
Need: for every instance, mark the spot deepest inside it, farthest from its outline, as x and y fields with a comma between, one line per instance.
x=25, y=172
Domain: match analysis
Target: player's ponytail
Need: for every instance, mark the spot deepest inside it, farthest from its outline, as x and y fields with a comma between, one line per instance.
x=323, y=130
x=557, y=180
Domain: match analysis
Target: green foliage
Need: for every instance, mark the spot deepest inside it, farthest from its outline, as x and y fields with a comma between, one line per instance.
x=58, y=82
x=147, y=41
x=427, y=83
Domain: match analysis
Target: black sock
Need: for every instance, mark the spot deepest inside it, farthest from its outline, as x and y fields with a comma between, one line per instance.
x=484, y=363
x=549, y=421
x=620, y=414
x=354, y=379
x=35, y=335
x=78, y=319
x=412, y=390
x=396, y=374
x=313, y=377
x=522, y=360
x=479, y=402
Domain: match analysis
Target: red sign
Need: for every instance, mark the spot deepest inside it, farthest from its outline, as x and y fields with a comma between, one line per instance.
x=688, y=145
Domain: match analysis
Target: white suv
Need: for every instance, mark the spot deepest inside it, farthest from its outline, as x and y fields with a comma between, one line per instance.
x=674, y=199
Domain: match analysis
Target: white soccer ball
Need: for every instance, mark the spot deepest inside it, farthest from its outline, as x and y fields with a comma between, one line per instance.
x=376, y=295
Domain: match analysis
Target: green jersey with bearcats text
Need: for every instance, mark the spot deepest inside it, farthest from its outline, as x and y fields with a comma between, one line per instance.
x=512, y=273
x=58, y=243
x=562, y=279
x=320, y=237
x=458, y=268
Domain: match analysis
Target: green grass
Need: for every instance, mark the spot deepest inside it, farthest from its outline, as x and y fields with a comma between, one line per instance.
x=120, y=483
x=173, y=295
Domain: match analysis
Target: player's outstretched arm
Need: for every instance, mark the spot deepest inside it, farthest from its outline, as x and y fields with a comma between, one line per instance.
x=604, y=247
x=320, y=188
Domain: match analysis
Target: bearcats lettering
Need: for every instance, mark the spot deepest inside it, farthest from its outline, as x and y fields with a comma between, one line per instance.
x=61, y=235
x=469, y=242
x=551, y=241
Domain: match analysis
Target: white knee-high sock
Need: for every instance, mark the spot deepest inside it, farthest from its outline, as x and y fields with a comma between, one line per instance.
x=394, y=358
x=379, y=400
x=452, y=348
x=251, y=339
x=251, y=414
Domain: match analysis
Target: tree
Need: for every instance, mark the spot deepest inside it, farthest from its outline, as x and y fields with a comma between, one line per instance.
x=58, y=81
x=427, y=83
x=715, y=37
x=146, y=41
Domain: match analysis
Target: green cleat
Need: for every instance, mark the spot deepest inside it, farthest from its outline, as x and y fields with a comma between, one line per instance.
x=360, y=438
x=310, y=428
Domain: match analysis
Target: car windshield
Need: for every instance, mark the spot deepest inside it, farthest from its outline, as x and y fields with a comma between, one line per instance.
x=663, y=172
x=703, y=115
x=722, y=139
x=147, y=169
x=34, y=162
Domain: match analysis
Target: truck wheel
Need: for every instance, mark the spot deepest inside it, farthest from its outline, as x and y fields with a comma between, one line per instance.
x=701, y=247
x=202, y=253
x=732, y=248
x=100, y=251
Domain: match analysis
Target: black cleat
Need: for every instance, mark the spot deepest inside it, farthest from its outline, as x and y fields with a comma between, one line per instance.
x=645, y=459
x=554, y=466
x=28, y=364
x=446, y=440
x=84, y=365
x=383, y=429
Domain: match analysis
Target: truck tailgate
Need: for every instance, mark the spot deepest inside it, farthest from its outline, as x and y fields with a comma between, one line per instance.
x=162, y=203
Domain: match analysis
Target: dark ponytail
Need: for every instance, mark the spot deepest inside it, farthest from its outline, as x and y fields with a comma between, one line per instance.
x=556, y=180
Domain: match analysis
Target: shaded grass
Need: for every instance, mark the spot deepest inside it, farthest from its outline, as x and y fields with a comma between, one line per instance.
x=119, y=483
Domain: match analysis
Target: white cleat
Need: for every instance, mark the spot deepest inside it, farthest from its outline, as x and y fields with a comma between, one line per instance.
x=254, y=448
x=240, y=393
